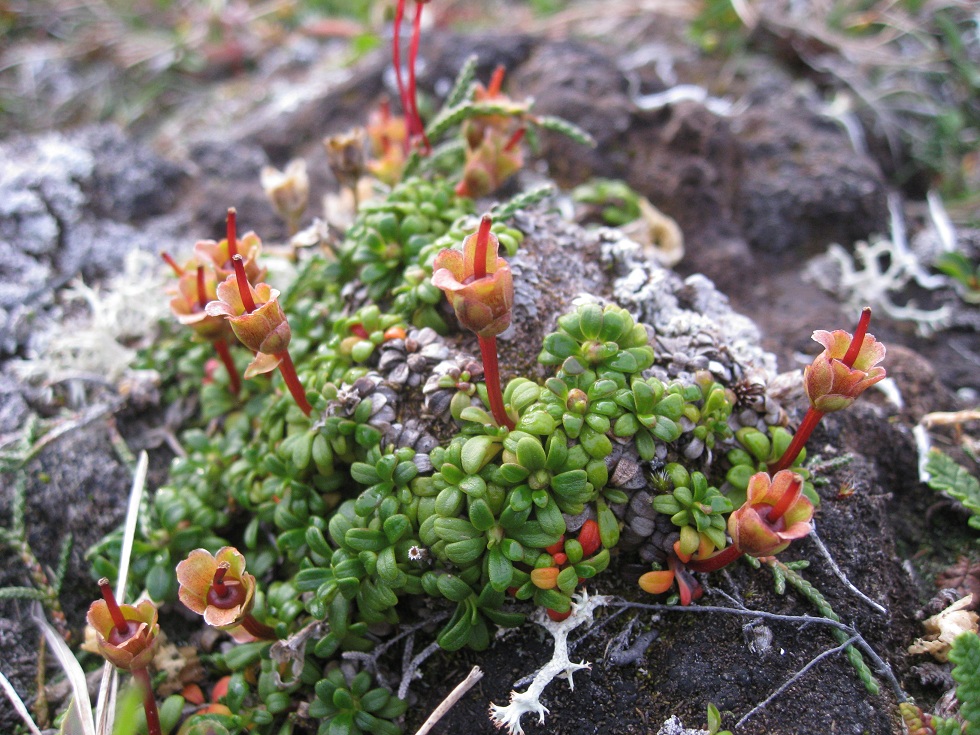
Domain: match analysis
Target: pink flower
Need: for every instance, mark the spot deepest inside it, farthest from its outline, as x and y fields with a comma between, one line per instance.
x=218, y=588
x=774, y=514
x=219, y=254
x=490, y=163
x=132, y=649
x=481, y=294
x=830, y=383
x=189, y=303
x=264, y=329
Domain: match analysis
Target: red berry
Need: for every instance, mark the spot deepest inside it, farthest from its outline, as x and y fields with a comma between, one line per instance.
x=588, y=536
x=556, y=547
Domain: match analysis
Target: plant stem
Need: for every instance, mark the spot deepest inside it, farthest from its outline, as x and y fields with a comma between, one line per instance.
x=231, y=227
x=244, y=290
x=857, y=341
x=122, y=625
x=169, y=260
x=288, y=371
x=218, y=581
x=491, y=374
x=257, y=629
x=149, y=702
x=515, y=139
x=396, y=58
x=496, y=81
x=812, y=417
x=809, y=423
x=716, y=561
x=235, y=382
x=415, y=123
x=788, y=498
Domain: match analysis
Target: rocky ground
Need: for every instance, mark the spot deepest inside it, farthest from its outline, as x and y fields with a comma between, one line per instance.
x=759, y=179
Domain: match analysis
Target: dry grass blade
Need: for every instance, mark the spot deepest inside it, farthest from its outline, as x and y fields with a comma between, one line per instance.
x=18, y=704
x=109, y=684
x=74, y=673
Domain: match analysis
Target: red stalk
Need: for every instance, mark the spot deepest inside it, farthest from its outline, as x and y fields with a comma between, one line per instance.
x=482, y=240
x=149, y=702
x=491, y=375
x=288, y=371
x=259, y=630
x=857, y=341
x=809, y=423
x=496, y=81
x=235, y=382
x=238, y=263
x=415, y=121
x=202, y=296
x=231, y=232
x=218, y=581
x=122, y=625
x=812, y=417
x=488, y=345
x=515, y=139
x=396, y=58
x=789, y=497
x=168, y=259
x=716, y=561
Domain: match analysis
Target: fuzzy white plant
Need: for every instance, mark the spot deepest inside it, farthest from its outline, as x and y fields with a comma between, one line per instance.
x=878, y=270
x=101, y=340
x=521, y=703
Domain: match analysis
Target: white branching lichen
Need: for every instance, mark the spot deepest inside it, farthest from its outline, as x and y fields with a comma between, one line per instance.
x=521, y=703
x=877, y=271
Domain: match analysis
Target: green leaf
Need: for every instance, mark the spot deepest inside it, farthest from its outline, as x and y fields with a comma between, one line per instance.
x=965, y=654
x=950, y=478
x=476, y=452
x=500, y=569
x=480, y=515
x=530, y=453
x=365, y=539
x=467, y=551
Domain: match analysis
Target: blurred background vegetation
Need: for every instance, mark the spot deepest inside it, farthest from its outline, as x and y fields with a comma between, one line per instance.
x=909, y=68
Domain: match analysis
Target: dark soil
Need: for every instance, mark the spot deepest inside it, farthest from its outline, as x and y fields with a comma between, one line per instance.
x=755, y=194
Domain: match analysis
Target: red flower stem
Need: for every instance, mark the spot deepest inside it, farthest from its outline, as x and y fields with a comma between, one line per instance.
x=857, y=341
x=515, y=139
x=788, y=498
x=716, y=561
x=122, y=625
x=149, y=702
x=480, y=252
x=235, y=382
x=238, y=263
x=231, y=227
x=496, y=81
x=813, y=416
x=413, y=53
x=168, y=259
x=396, y=57
x=259, y=630
x=809, y=423
x=491, y=375
x=488, y=345
x=202, y=296
x=288, y=371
